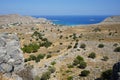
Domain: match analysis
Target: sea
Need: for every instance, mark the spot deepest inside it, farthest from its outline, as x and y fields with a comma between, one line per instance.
x=73, y=20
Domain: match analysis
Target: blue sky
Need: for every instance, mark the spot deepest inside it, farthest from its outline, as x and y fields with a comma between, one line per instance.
x=60, y=7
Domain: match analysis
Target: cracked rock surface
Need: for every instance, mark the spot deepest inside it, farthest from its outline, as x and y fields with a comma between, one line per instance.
x=11, y=57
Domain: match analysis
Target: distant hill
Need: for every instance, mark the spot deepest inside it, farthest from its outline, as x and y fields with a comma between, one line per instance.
x=15, y=19
x=112, y=19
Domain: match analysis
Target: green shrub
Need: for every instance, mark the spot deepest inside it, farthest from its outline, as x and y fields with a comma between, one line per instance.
x=45, y=76
x=82, y=65
x=117, y=49
x=101, y=45
x=33, y=57
x=76, y=45
x=49, y=56
x=37, y=78
x=82, y=45
x=41, y=56
x=53, y=63
x=105, y=58
x=70, y=66
x=77, y=60
x=46, y=44
x=74, y=36
x=70, y=78
x=33, y=47
x=85, y=73
x=51, y=69
x=92, y=55
x=25, y=60
x=106, y=75
x=69, y=47
x=80, y=58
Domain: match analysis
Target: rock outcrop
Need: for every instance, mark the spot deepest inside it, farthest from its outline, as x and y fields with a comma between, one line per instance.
x=11, y=57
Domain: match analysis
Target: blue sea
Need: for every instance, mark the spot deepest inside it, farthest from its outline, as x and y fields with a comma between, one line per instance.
x=74, y=20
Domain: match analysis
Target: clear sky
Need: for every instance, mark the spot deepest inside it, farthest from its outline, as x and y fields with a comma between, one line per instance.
x=60, y=7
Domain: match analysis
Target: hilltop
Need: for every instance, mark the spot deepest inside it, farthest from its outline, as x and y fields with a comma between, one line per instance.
x=62, y=53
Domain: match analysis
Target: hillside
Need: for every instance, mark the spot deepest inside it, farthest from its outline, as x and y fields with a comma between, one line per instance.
x=62, y=52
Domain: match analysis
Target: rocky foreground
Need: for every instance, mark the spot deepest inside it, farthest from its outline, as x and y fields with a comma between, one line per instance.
x=57, y=52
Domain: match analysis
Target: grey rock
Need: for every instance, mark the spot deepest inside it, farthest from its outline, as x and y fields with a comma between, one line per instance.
x=6, y=67
x=11, y=57
x=2, y=42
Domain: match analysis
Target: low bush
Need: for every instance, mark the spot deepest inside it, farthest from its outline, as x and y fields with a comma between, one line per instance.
x=45, y=75
x=77, y=60
x=101, y=45
x=92, y=55
x=70, y=66
x=51, y=69
x=33, y=47
x=117, y=49
x=53, y=63
x=82, y=45
x=106, y=75
x=70, y=78
x=82, y=65
x=105, y=58
x=48, y=56
x=69, y=47
x=85, y=73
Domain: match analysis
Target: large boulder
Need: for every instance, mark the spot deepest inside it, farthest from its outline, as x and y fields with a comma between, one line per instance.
x=11, y=57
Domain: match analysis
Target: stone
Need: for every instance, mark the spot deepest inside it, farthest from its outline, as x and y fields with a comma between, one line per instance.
x=6, y=67
x=2, y=42
x=11, y=56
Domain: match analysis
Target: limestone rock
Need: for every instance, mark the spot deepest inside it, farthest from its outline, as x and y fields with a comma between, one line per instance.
x=11, y=57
